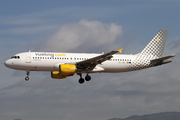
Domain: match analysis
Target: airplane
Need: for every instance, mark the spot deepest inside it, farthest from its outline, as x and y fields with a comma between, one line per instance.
x=62, y=65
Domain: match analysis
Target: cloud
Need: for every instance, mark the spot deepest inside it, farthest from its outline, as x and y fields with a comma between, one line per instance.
x=84, y=35
x=106, y=96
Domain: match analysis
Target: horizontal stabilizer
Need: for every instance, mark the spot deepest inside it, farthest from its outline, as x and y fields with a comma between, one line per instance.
x=162, y=60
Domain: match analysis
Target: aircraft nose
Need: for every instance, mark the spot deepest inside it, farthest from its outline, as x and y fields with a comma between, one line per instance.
x=7, y=63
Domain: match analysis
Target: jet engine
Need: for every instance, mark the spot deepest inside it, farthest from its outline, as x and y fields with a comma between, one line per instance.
x=64, y=71
x=57, y=75
x=67, y=69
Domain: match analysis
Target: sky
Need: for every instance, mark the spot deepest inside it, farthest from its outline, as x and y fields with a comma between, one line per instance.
x=88, y=26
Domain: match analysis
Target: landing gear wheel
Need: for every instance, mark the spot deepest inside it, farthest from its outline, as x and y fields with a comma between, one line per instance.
x=88, y=78
x=26, y=78
x=27, y=73
x=81, y=80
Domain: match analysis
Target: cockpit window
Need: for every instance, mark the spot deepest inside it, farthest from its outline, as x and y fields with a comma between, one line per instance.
x=15, y=57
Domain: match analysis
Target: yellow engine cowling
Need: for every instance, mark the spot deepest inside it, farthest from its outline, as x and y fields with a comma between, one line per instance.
x=57, y=75
x=67, y=69
x=64, y=71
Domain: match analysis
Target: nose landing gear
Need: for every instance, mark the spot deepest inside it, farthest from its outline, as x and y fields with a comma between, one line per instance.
x=27, y=73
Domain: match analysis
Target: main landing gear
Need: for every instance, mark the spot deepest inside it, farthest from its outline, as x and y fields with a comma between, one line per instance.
x=27, y=77
x=81, y=80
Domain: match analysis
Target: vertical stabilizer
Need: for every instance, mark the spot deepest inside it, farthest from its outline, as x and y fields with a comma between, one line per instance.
x=151, y=55
x=156, y=46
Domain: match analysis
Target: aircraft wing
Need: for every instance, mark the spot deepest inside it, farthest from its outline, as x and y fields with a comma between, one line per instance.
x=92, y=62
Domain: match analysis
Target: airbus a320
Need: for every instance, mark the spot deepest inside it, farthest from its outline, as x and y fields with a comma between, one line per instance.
x=62, y=65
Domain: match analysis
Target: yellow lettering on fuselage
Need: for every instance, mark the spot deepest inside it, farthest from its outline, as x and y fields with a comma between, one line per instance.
x=58, y=55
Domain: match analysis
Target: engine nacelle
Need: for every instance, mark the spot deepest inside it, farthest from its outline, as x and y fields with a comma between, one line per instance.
x=57, y=75
x=67, y=69
x=64, y=71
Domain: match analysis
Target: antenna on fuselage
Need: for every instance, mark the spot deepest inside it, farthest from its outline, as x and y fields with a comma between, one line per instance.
x=29, y=50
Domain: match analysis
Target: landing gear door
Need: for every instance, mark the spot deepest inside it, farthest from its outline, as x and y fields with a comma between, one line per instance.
x=28, y=57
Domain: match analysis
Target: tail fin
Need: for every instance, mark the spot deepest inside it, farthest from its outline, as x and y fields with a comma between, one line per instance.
x=156, y=46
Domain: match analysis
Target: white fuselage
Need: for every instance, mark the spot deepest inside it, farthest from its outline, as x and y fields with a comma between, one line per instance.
x=46, y=61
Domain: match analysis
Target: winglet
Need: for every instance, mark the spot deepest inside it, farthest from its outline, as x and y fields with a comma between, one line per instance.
x=120, y=50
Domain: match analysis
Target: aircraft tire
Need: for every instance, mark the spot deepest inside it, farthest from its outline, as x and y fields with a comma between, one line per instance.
x=88, y=78
x=26, y=78
x=81, y=80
